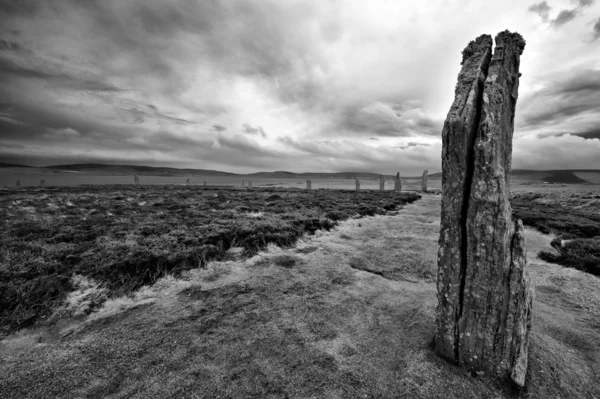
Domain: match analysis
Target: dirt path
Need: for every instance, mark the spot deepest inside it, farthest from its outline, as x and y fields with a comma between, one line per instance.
x=349, y=313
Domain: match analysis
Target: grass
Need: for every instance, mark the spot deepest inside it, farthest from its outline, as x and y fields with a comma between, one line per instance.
x=125, y=237
x=320, y=328
x=575, y=217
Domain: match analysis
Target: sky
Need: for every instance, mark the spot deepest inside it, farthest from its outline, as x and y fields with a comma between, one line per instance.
x=312, y=85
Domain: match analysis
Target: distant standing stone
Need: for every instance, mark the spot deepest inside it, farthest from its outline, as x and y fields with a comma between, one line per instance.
x=424, y=180
x=398, y=183
x=382, y=182
x=204, y=183
x=243, y=183
x=308, y=184
x=18, y=183
x=136, y=179
x=42, y=183
x=249, y=183
x=357, y=184
x=187, y=181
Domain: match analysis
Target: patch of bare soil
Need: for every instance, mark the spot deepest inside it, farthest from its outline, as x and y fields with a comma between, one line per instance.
x=348, y=313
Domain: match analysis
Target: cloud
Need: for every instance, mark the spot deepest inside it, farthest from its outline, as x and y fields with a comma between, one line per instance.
x=389, y=120
x=542, y=9
x=564, y=152
x=591, y=134
x=573, y=95
x=254, y=130
x=563, y=17
x=584, y=3
x=596, y=29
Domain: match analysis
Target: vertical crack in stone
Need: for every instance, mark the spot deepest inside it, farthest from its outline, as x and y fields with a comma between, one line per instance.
x=469, y=170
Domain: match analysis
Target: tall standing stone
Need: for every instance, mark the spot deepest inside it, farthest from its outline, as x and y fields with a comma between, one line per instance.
x=250, y=183
x=187, y=181
x=398, y=183
x=424, y=180
x=382, y=183
x=357, y=184
x=136, y=179
x=484, y=294
x=242, y=183
x=204, y=183
x=18, y=183
x=308, y=184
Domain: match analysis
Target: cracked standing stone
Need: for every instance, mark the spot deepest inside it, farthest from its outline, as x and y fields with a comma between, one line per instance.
x=484, y=294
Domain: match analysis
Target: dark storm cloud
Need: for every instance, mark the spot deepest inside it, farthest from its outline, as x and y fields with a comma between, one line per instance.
x=596, y=29
x=563, y=17
x=254, y=130
x=563, y=98
x=542, y=9
x=389, y=120
x=9, y=69
x=413, y=144
x=583, y=3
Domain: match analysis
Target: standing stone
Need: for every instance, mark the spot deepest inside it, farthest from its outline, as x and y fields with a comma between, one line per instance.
x=382, y=183
x=204, y=183
x=398, y=183
x=424, y=180
x=242, y=183
x=357, y=184
x=42, y=183
x=136, y=179
x=18, y=183
x=187, y=181
x=308, y=184
x=484, y=294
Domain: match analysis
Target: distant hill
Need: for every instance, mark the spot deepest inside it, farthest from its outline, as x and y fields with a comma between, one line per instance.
x=565, y=176
x=13, y=165
x=568, y=176
x=148, y=170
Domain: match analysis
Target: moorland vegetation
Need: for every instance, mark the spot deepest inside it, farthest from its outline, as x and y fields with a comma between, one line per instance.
x=574, y=219
x=126, y=237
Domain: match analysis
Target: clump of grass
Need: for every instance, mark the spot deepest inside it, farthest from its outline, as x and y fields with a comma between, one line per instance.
x=287, y=261
x=581, y=253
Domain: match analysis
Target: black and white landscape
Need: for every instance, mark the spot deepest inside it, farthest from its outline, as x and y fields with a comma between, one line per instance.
x=223, y=199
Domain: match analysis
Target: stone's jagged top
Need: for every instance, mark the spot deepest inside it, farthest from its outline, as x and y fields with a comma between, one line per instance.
x=481, y=44
x=508, y=37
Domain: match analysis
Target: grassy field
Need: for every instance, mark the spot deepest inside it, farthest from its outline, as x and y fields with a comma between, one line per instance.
x=107, y=241
x=345, y=313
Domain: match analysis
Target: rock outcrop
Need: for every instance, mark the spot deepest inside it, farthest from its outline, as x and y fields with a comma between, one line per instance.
x=398, y=183
x=484, y=294
x=424, y=180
